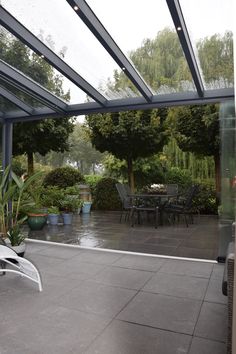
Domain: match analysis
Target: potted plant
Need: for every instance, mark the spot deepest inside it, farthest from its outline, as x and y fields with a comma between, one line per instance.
x=53, y=215
x=13, y=200
x=69, y=205
x=37, y=214
x=15, y=240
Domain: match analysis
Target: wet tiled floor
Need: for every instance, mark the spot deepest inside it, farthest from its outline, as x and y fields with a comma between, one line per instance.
x=103, y=302
x=103, y=230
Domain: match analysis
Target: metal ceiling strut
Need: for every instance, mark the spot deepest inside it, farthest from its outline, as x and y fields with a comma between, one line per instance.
x=8, y=72
x=181, y=29
x=22, y=33
x=14, y=99
x=99, y=31
x=134, y=103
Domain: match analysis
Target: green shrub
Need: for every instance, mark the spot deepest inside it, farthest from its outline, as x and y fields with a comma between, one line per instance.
x=63, y=177
x=52, y=196
x=105, y=195
x=92, y=181
x=177, y=176
x=205, y=201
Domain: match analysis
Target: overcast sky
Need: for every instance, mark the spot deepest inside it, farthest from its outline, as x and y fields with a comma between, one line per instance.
x=128, y=21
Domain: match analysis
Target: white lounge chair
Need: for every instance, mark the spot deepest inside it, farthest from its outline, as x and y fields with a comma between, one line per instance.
x=23, y=267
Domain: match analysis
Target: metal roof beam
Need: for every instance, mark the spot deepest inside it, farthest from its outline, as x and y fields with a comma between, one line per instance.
x=159, y=101
x=96, y=27
x=14, y=75
x=22, y=33
x=181, y=29
x=14, y=99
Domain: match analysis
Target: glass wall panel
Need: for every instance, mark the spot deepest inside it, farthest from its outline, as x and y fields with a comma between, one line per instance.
x=16, y=54
x=210, y=26
x=146, y=34
x=56, y=24
x=7, y=106
x=228, y=175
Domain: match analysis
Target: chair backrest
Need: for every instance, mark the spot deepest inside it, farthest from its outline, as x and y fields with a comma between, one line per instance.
x=172, y=189
x=126, y=201
x=192, y=191
x=127, y=189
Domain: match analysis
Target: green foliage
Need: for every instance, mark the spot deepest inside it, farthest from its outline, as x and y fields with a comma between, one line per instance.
x=177, y=176
x=51, y=196
x=81, y=151
x=105, y=195
x=15, y=236
x=63, y=177
x=53, y=210
x=206, y=201
x=91, y=181
x=13, y=189
x=70, y=203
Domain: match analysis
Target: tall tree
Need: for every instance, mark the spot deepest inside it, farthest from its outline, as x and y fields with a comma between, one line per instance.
x=196, y=129
x=38, y=136
x=129, y=135
x=81, y=151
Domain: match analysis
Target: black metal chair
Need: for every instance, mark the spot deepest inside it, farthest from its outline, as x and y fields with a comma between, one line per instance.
x=183, y=205
x=126, y=201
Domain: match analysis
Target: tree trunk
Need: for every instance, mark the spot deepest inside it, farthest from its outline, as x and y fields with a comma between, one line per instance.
x=30, y=160
x=217, y=175
x=131, y=175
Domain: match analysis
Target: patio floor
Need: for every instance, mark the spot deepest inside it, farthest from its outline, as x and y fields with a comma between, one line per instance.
x=106, y=302
x=103, y=230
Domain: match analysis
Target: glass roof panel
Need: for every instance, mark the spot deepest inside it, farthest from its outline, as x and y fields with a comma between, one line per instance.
x=210, y=26
x=64, y=89
x=149, y=39
x=56, y=24
x=24, y=97
x=8, y=106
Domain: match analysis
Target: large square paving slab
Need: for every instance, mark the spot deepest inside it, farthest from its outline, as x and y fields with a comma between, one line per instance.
x=160, y=311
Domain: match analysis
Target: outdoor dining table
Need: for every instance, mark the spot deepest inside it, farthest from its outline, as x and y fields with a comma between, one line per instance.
x=158, y=203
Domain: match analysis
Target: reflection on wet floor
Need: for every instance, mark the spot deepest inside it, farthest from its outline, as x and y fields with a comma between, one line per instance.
x=103, y=230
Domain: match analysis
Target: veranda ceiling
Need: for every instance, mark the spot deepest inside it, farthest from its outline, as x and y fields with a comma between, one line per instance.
x=97, y=37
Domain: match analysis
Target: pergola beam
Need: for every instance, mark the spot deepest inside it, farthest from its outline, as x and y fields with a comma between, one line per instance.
x=159, y=101
x=8, y=72
x=15, y=100
x=22, y=33
x=99, y=31
x=181, y=29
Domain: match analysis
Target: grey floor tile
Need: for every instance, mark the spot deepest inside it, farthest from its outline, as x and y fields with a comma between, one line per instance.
x=56, y=330
x=123, y=277
x=96, y=298
x=163, y=312
x=214, y=292
x=99, y=257
x=196, y=269
x=177, y=285
x=60, y=252
x=218, y=271
x=205, y=346
x=126, y=338
x=151, y=264
x=212, y=322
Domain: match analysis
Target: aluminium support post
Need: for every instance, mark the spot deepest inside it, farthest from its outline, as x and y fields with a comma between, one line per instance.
x=7, y=133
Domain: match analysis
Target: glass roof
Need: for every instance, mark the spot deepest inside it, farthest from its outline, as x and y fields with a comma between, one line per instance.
x=150, y=41
x=70, y=91
x=56, y=24
x=24, y=97
x=115, y=55
x=7, y=106
x=210, y=27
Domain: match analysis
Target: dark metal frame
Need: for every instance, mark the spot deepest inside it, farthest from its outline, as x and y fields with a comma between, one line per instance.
x=54, y=107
